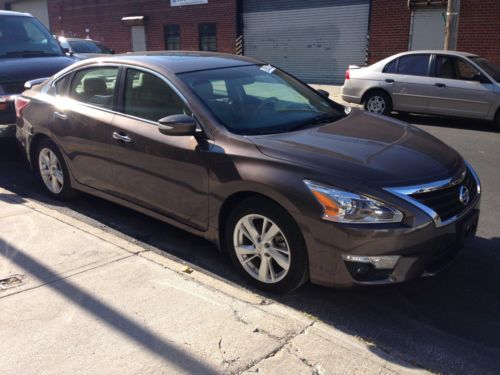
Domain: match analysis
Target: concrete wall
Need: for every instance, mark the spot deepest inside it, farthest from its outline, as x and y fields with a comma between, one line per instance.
x=103, y=19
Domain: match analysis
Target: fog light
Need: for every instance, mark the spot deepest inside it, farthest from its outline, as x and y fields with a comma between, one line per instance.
x=386, y=262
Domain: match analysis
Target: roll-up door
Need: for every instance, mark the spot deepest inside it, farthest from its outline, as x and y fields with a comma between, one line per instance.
x=315, y=40
x=428, y=28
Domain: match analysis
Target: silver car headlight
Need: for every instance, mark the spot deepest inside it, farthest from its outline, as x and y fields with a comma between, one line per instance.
x=346, y=207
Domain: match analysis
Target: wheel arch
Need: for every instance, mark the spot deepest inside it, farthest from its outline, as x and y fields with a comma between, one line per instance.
x=33, y=146
x=376, y=89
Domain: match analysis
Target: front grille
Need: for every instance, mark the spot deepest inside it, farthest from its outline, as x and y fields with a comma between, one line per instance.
x=446, y=202
x=13, y=88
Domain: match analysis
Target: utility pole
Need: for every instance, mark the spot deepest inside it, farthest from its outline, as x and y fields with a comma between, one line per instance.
x=451, y=36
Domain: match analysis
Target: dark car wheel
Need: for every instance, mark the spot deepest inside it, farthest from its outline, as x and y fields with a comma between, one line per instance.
x=52, y=171
x=266, y=246
x=378, y=102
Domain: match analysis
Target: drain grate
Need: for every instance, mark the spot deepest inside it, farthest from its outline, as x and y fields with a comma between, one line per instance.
x=11, y=282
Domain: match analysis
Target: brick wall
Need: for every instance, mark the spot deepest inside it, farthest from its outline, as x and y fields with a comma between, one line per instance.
x=389, y=28
x=103, y=19
x=479, y=28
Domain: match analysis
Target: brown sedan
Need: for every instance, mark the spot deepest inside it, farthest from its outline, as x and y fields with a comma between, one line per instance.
x=245, y=155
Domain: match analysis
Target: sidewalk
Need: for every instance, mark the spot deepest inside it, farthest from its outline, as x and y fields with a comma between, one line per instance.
x=85, y=301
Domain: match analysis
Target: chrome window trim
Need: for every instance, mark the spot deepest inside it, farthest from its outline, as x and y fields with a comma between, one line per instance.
x=405, y=192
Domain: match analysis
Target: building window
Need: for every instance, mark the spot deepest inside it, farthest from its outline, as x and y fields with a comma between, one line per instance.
x=172, y=37
x=208, y=37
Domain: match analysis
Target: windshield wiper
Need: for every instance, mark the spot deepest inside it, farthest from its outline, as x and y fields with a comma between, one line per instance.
x=27, y=53
x=318, y=120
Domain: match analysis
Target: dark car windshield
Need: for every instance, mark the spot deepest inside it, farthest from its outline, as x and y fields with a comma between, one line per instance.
x=23, y=36
x=88, y=46
x=490, y=68
x=260, y=99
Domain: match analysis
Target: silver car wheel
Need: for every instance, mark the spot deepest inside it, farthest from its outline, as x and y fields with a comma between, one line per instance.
x=51, y=170
x=261, y=248
x=376, y=104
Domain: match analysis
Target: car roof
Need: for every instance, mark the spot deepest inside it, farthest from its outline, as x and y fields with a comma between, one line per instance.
x=437, y=51
x=10, y=13
x=178, y=61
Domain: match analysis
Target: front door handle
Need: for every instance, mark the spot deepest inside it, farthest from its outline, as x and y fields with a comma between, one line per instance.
x=440, y=85
x=389, y=80
x=61, y=115
x=122, y=137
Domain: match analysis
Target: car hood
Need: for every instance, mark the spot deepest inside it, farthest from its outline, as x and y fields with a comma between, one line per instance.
x=366, y=147
x=17, y=70
x=84, y=56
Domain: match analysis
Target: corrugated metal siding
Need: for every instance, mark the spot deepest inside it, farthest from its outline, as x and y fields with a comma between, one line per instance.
x=428, y=28
x=316, y=44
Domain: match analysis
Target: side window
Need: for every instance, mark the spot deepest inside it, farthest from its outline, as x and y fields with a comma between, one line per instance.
x=414, y=65
x=445, y=67
x=391, y=67
x=150, y=98
x=61, y=85
x=95, y=86
x=466, y=71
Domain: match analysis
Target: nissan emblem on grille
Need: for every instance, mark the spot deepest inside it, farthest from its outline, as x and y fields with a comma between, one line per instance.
x=464, y=195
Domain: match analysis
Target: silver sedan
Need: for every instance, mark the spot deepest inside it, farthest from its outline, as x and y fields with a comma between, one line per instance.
x=431, y=82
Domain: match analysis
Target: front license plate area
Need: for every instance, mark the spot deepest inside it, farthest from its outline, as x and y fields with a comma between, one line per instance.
x=467, y=228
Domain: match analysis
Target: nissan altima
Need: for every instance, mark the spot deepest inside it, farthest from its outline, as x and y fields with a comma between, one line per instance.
x=243, y=154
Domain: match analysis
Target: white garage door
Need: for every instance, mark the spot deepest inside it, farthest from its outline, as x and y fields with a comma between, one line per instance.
x=315, y=40
x=428, y=28
x=38, y=8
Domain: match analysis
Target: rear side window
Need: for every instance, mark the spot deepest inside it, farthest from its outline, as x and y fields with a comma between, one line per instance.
x=149, y=97
x=95, y=86
x=60, y=86
x=391, y=67
x=414, y=65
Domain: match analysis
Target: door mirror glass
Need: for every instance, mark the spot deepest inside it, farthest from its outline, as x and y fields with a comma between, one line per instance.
x=177, y=125
x=323, y=93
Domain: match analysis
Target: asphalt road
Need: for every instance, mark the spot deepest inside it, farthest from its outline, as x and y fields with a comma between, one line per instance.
x=447, y=324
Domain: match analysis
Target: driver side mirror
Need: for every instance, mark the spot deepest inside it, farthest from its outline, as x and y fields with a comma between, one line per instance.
x=112, y=51
x=177, y=125
x=480, y=78
x=323, y=93
x=67, y=51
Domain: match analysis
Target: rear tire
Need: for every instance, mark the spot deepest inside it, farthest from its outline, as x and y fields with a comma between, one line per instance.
x=52, y=171
x=378, y=102
x=497, y=120
x=266, y=246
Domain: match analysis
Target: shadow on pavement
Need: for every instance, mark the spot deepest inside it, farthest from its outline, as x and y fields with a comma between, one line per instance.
x=110, y=316
x=448, y=122
x=449, y=323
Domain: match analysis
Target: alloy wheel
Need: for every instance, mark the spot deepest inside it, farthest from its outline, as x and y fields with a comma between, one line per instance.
x=51, y=170
x=261, y=248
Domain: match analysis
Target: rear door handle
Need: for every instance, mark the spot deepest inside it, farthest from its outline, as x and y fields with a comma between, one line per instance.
x=440, y=85
x=122, y=137
x=61, y=115
x=389, y=80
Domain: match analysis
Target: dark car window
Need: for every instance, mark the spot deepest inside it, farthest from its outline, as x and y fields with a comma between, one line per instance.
x=490, y=68
x=95, y=86
x=149, y=97
x=466, y=71
x=88, y=46
x=60, y=86
x=391, y=67
x=22, y=36
x=414, y=65
x=445, y=68
x=260, y=99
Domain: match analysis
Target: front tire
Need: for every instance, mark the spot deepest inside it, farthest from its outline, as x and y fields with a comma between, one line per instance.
x=266, y=246
x=378, y=102
x=52, y=171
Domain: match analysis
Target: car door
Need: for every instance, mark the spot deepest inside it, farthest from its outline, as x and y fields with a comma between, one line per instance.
x=166, y=174
x=410, y=83
x=459, y=89
x=82, y=120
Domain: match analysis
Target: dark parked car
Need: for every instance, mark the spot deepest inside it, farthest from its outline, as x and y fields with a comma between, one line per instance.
x=82, y=49
x=243, y=154
x=27, y=51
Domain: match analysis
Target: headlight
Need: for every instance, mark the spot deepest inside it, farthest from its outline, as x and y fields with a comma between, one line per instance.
x=345, y=207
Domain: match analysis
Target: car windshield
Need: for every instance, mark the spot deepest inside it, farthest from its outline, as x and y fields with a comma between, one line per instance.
x=88, y=46
x=23, y=36
x=260, y=99
x=490, y=68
